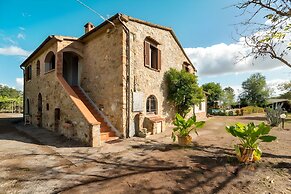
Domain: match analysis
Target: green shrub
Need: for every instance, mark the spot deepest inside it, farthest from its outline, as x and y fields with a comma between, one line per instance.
x=252, y=109
x=183, y=90
x=237, y=112
x=222, y=113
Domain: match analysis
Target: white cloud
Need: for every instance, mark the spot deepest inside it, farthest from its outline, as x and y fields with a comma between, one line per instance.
x=14, y=50
x=19, y=83
x=223, y=59
x=273, y=85
x=9, y=39
x=20, y=36
x=1, y=84
x=237, y=89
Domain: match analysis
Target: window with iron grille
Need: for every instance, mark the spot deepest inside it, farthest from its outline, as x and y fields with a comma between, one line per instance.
x=151, y=106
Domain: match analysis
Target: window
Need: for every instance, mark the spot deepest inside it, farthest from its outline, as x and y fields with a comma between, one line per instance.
x=200, y=106
x=50, y=61
x=27, y=105
x=151, y=106
x=152, y=55
x=37, y=68
x=47, y=106
x=28, y=72
x=57, y=114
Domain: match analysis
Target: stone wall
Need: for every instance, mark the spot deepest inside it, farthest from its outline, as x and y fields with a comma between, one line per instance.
x=149, y=81
x=103, y=72
x=72, y=123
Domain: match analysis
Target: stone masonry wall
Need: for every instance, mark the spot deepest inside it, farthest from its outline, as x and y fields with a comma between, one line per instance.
x=103, y=73
x=147, y=80
x=72, y=123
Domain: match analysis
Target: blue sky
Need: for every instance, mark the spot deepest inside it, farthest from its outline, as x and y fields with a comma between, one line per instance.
x=204, y=27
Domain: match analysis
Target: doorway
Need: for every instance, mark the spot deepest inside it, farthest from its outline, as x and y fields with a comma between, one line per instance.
x=57, y=118
x=71, y=68
x=39, y=110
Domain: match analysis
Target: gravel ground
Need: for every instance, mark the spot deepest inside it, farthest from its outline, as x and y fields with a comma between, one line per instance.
x=38, y=161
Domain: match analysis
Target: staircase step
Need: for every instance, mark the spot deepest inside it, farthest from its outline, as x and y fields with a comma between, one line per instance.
x=112, y=140
x=106, y=134
x=110, y=133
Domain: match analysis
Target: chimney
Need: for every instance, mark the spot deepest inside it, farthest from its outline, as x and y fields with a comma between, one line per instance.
x=88, y=27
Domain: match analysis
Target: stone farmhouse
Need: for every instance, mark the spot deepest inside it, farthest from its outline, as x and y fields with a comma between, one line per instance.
x=107, y=84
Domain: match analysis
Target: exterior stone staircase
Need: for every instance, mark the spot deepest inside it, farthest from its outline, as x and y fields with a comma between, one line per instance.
x=107, y=135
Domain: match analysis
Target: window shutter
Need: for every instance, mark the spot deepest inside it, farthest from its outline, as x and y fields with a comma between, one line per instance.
x=159, y=59
x=146, y=54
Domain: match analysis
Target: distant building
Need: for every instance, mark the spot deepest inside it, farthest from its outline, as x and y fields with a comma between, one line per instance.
x=275, y=103
x=108, y=83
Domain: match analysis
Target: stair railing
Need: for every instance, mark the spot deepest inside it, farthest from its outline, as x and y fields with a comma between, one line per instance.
x=107, y=121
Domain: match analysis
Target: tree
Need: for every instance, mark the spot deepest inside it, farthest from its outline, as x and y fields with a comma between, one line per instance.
x=227, y=97
x=286, y=88
x=214, y=91
x=183, y=90
x=255, y=91
x=8, y=96
x=271, y=38
x=6, y=91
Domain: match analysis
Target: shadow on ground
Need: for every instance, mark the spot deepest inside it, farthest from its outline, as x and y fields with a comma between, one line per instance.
x=256, y=118
x=208, y=170
x=13, y=129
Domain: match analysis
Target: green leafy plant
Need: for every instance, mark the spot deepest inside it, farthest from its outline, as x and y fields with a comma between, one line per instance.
x=184, y=127
x=250, y=136
x=183, y=90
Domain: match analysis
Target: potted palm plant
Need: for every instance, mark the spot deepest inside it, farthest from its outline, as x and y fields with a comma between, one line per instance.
x=250, y=136
x=183, y=129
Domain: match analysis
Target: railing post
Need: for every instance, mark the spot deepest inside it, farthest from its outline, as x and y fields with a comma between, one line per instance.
x=95, y=135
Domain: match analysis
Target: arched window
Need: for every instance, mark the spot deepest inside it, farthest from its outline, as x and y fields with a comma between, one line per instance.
x=50, y=61
x=152, y=104
x=37, y=68
x=28, y=72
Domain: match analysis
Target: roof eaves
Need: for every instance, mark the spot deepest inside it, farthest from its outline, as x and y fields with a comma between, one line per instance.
x=37, y=49
x=164, y=28
x=99, y=26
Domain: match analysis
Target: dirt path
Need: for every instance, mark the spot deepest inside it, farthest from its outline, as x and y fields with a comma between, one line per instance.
x=154, y=165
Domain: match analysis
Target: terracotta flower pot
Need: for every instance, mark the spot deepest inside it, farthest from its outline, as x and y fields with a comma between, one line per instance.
x=247, y=154
x=184, y=140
